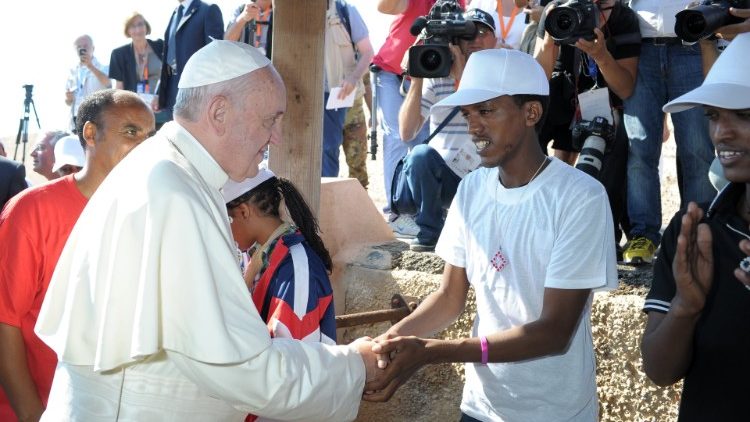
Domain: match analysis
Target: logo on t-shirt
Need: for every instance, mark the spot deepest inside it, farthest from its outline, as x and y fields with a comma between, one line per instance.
x=499, y=261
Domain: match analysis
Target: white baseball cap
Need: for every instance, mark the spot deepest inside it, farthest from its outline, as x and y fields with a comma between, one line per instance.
x=220, y=61
x=496, y=72
x=68, y=150
x=727, y=84
x=233, y=190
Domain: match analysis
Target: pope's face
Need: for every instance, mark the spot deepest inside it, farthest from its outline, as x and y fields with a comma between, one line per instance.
x=255, y=123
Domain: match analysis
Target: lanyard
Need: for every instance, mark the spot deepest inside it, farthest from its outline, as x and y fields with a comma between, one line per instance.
x=258, y=28
x=504, y=31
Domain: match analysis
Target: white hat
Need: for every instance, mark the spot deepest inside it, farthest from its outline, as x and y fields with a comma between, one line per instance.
x=68, y=150
x=496, y=72
x=727, y=84
x=220, y=61
x=233, y=190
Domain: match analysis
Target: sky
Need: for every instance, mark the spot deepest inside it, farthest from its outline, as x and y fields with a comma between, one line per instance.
x=37, y=43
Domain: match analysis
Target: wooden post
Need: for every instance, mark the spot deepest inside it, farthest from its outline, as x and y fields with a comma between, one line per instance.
x=298, y=42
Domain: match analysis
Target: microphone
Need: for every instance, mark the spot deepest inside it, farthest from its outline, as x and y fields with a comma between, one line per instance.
x=418, y=25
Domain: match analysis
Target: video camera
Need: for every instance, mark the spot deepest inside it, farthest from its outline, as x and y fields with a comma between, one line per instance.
x=698, y=22
x=443, y=25
x=572, y=20
x=593, y=139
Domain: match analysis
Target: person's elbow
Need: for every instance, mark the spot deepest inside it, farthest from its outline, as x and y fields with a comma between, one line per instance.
x=390, y=7
x=654, y=371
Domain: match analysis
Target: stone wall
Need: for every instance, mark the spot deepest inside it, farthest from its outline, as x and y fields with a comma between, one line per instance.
x=434, y=393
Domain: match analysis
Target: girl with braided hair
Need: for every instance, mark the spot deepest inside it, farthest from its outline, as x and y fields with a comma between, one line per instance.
x=288, y=272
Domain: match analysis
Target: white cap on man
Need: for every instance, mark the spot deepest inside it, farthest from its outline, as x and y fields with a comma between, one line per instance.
x=496, y=72
x=726, y=85
x=220, y=61
x=68, y=151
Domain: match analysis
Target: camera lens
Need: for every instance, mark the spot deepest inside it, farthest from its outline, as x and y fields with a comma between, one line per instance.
x=430, y=60
x=564, y=23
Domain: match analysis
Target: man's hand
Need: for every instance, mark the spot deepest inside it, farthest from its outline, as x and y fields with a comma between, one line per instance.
x=155, y=103
x=347, y=86
x=250, y=12
x=596, y=49
x=730, y=31
x=742, y=274
x=86, y=58
x=693, y=264
x=364, y=346
x=459, y=62
x=408, y=355
x=535, y=13
x=69, y=97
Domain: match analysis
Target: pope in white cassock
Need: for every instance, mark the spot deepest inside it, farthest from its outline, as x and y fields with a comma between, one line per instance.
x=147, y=310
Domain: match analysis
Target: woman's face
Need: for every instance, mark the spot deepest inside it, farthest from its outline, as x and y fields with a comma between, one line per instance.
x=137, y=29
x=730, y=134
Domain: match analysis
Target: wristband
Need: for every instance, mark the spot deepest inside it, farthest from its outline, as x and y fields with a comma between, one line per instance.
x=485, y=349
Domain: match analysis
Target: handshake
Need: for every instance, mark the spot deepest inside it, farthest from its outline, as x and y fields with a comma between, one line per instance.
x=391, y=360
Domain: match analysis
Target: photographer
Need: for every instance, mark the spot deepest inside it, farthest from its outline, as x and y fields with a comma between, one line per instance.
x=252, y=23
x=432, y=171
x=610, y=61
x=88, y=76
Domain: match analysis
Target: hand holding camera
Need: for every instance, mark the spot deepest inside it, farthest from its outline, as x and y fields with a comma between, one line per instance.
x=711, y=16
x=85, y=56
x=249, y=13
x=596, y=48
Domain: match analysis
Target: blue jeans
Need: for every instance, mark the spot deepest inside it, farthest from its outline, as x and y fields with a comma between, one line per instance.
x=389, y=101
x=664, y=72
x=427, y=187
x=333, y=137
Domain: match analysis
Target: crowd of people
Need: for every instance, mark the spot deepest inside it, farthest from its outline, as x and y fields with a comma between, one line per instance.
x=163, y=272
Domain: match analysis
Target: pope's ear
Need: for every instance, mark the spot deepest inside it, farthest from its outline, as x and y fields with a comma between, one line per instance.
x=217, y=113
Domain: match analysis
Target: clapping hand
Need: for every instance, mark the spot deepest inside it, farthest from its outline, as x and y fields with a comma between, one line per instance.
x=693, y=263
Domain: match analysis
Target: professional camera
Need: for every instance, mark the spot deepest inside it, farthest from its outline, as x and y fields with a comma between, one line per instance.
x=572, y=20
x=698, y=22
x=593, y=139
x=443, y=25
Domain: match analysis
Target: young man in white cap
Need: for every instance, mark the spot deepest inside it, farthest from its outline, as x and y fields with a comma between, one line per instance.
x=698, y=325
x=533, y=236
x=34, y=227
x=432, y=171
x=69, y=156
x=148, y=291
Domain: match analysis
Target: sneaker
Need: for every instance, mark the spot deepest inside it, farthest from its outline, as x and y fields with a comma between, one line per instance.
x=415, y=245
x=404, y=227
x=639, y=251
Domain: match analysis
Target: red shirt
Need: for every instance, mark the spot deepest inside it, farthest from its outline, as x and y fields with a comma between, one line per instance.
x=399, y=38
x=34, y=226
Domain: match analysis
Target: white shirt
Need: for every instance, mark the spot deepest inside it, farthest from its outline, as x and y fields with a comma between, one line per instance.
x=150, y=317
x=515, y=33
x=656, y=18
x=555, y=232
x=83, y=82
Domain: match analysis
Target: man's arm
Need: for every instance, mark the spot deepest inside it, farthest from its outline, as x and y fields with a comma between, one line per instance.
x=290, y=380
x=619, y=74
x=15, y=377
x=410, y=118
x=550, y=334
x=667, y=344
x=393, y=7
x=365, y=50
x=234, y=31
x=439, y=309
x=103, y=78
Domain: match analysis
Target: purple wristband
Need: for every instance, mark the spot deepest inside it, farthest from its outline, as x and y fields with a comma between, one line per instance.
x=485, y=349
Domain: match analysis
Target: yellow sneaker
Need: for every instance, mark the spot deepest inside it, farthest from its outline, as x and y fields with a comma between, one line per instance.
x=639, y=251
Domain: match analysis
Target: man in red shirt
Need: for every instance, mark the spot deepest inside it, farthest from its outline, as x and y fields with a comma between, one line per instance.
x=34, y=226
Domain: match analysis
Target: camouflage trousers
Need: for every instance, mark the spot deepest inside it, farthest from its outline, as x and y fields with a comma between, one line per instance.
x=355, y=142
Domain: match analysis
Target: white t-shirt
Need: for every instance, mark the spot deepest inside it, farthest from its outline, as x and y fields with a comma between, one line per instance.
x=656, y=18
x=453, y=142
x=554, y=232
x=515, y=33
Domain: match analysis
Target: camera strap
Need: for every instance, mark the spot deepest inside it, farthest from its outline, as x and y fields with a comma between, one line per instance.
x=442, y=124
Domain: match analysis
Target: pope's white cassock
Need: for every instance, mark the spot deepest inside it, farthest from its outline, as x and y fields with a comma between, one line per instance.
x=151, y=320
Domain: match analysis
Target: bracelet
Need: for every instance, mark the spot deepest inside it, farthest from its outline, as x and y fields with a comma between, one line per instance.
x=485, y=349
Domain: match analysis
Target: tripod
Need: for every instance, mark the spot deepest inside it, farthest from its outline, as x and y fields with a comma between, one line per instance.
x=23, y=125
